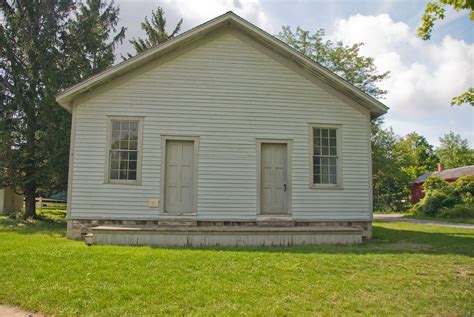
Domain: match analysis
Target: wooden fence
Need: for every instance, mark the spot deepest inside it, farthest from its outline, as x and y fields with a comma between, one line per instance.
x=49, y=203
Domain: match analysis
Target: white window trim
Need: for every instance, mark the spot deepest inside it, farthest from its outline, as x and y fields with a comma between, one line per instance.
x=338, y=128
x=107, y=179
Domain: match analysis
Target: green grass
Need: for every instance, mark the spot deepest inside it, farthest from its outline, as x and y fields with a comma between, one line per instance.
x=407, y=269
x=451, y=220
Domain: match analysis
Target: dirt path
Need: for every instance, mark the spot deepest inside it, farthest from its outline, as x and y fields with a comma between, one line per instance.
x=399, y=218
x=9, y=311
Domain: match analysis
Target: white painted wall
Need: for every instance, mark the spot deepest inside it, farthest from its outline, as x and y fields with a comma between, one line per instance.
x=228, y=93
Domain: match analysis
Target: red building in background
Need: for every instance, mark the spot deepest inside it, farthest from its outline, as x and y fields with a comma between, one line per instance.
x=449, y=175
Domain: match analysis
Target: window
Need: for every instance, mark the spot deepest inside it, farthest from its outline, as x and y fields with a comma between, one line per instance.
x=124, y=148
x=325, y=156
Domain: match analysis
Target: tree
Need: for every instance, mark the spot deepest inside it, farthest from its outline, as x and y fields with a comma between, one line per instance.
x=454, y=151
x=435, y=11
x=45, y=46
x=88, y=45
x=390, y=190
x=415, y=156
x=155, y=31
x=343, y=60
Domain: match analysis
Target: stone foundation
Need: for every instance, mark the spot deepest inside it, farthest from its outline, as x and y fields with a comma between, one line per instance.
x=78, y=228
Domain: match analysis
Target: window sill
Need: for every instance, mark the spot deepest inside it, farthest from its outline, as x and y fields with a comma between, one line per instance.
x=326, y=187
x=123, y=183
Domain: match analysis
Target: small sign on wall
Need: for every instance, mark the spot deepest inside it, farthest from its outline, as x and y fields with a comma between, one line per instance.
x=153, y=203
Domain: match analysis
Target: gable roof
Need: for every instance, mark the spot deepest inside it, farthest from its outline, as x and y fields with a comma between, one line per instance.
x=422, y=178
x=452, y=173
x=375, y=107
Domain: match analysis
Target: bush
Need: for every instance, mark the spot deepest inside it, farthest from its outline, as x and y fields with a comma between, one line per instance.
x=435, y=183
x=433, y=202
x=446, y=200
x=464, y=188
x=460, y=211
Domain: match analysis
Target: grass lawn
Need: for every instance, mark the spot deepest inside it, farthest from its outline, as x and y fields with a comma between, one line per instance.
x=407, y=269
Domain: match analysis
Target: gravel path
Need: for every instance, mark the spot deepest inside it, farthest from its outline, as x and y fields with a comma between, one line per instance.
x=399, y=218
x=9, y=311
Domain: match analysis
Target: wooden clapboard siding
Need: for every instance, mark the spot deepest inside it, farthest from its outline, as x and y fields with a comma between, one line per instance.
x=228, y=93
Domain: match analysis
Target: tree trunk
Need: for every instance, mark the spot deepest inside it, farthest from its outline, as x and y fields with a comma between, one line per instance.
x=30, y=203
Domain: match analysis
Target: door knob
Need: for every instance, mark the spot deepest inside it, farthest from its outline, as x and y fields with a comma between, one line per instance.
x=284, y=187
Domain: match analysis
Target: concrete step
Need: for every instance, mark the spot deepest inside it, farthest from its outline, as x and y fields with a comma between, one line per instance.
x=226, y=236
x=89, y=239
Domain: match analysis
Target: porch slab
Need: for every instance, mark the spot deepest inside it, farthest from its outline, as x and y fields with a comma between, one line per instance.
x=225, y=236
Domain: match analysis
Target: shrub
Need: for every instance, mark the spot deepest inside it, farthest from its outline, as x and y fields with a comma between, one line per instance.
x=435, y=183
x=433, y=202
x=464, y=188
x=460, y=211
x=446, y=200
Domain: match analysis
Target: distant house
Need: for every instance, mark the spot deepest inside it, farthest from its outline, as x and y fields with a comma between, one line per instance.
x=449, y=175
x=223, y=135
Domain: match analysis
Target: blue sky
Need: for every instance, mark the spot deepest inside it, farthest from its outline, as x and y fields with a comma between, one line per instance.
x=424, y=74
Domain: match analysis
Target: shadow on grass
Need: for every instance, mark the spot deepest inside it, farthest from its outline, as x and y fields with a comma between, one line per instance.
x=43, y=225
x=385, y=241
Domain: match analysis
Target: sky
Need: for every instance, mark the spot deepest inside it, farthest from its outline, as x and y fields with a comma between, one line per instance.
x=424, y=75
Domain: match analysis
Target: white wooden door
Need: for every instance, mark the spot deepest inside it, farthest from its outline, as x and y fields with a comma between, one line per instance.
x=274, y=189
x=179, y=180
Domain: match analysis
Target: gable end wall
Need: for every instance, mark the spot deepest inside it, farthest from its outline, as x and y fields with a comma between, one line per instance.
x=229, y=94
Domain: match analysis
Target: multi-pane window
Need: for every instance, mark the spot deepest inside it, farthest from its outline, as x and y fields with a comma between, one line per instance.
x=123, y=150
x=325, y=156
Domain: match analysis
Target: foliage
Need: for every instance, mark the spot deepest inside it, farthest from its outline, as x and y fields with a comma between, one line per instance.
x=390, y=191
x=466, y=97
x=155, y=31
x=433, y=202
x=434, y=183
x=415, y=156
x=70, y=278
x=435, y=11
x=45, y=47
x=454, y=151
x=396, y=161
x=343, y=60
x=90, y=50
x=464, y=188
x=460, y=211
x=443, y=199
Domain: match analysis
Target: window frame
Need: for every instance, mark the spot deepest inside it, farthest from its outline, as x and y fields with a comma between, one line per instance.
x=138, y=179
x=338, y=129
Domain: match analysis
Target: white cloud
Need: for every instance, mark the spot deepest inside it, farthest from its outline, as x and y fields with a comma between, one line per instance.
x=424, y=76
x=193, y=13
x=197, y=12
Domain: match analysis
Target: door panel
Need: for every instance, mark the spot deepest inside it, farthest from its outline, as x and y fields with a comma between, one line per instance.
x=179, y=178
x=274, y=178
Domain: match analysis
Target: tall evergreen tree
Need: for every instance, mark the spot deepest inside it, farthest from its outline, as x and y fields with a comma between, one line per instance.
x=155, y=31
x=44, y=47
